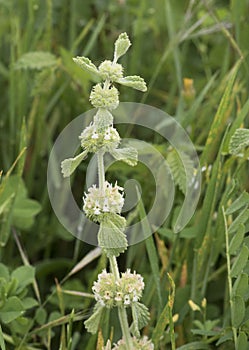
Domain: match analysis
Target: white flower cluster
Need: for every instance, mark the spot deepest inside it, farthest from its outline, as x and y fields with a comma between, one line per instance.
x=138, y=344
x=110, y=70
x=104, y=98
x=93, y=139
x=124, y=292
x=98, y=202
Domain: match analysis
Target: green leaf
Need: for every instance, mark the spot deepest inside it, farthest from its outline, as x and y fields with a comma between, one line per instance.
x=179, y=166
x=25, y=275
x=36, y=60
x=92, y=323
x=41, y=316
x=240, y=202
x=237, y=311
x=4, y=272
x=29, y=303
x=240, y=286
x=242, y=343
x=69, y=165
x=111, y=238
x=220, y=119
x=241, y=219
x=240, y=262
x=5, y=219
x=134, y=82
x=11, y=310
x=237, y=240
x=2, y=343
x=122, y=44
x=86, y=64
x=239, y=141
x=127, y=155
x=141, y=317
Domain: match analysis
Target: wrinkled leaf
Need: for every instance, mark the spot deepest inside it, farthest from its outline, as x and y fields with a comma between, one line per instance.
x=86, y=64
x=69, y=165
x=36, y=60
x=134, y=82
x=92, y=323
x=239, y=141
x=127, y=155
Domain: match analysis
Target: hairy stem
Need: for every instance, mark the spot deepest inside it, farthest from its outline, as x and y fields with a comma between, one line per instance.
x=121, y=310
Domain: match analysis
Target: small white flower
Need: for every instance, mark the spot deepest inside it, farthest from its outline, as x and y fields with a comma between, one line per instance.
x=127, y=300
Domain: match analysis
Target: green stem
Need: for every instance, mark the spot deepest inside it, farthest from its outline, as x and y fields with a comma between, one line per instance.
x=229, y=279
x=121, y=310
x=101, y=169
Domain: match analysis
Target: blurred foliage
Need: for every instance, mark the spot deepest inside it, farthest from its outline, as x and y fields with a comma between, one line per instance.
x=42, y=90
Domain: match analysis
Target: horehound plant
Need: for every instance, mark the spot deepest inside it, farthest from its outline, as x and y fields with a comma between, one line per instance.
x=103, y=203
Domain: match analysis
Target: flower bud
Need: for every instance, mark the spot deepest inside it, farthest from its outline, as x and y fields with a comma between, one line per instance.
x=104, y=98
x=111, y=71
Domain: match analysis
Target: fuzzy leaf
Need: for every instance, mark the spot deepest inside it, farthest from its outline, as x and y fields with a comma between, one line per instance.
x=179, y=166
x=111, y=237
x=122, y=44
x=133, y=81
x=103, y=118
x=239, y=141
x=127, y=155
x=69, y=165
x=92, y=323
x=86, y=64
x=36, y=60
x=140, y=315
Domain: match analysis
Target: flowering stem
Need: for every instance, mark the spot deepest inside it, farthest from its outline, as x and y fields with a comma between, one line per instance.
x=101, y=169
x=121, y=310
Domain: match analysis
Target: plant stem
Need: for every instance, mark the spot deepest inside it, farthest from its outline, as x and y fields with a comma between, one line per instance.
x=121, y=310
x=101, y=169
x=113, y=263
x=230, y=287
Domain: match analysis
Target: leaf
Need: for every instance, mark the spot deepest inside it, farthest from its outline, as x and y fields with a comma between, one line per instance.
x=11, y=310
x=5, y=219
x=240, y=262
x=240, y=202
x=237, y=311
x=127, y=155
x=111, y=239
x=162, y=322
x=4, y=272
x=29, y=303
x=179, y=167
x=2, y=343
x=86, y=64
x=241, y=219
x=219, y=122
x=237, y=240
x=239, y=141
x=141, y=317
x=133, y=81
x=240, y=286
x=25, y=275
x=121, y=45
x=242, y=343
x=36, y=60
x=92, y=323
x=69, y=165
